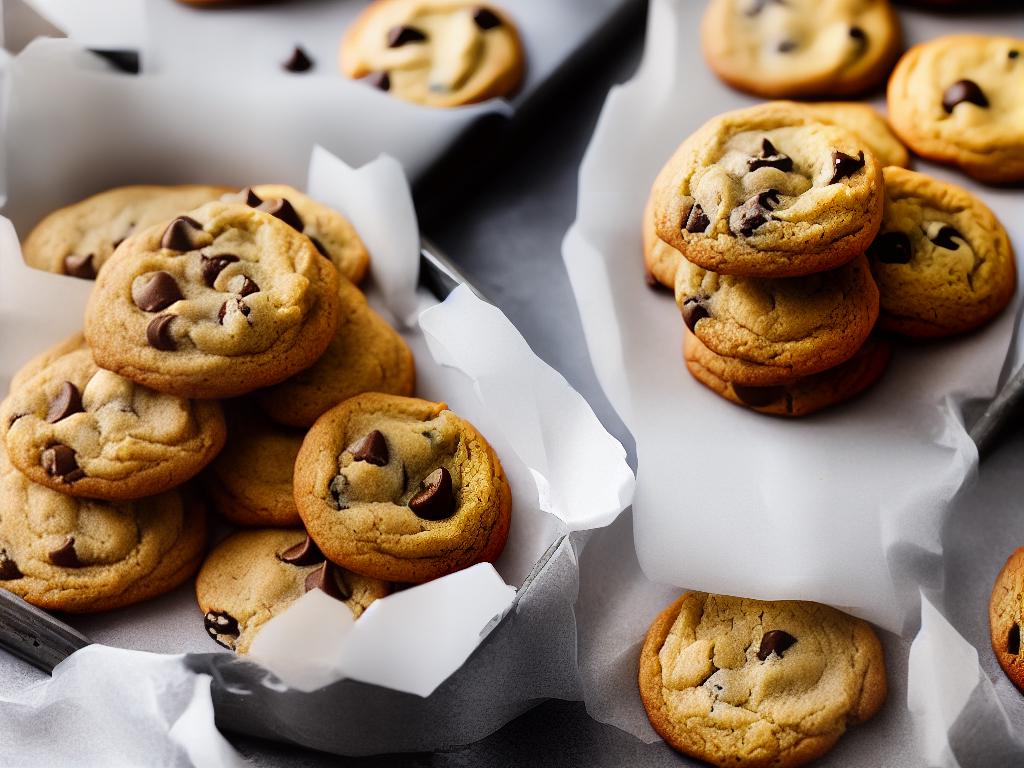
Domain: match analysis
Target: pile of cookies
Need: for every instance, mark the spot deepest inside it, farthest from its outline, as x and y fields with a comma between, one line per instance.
x=115, y=440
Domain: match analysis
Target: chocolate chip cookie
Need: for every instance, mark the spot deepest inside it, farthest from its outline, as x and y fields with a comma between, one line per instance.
x=78, y=240
x=439, y=53
x=799, y=397
x=252, y=576
x=943, y=262
x=401, y=489
x=769, y=191
x=365, y=355
x=779, y=48
x=84, y=431
x=217, y=303
x=960, y=100
x=750, y=684
x=1006, y=617
x=331, y=233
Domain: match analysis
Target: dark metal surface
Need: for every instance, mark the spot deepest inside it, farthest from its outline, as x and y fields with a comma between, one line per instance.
x=34, y=635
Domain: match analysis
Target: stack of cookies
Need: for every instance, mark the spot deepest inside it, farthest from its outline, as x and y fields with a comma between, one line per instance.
x=788, y=240
x=203, y=294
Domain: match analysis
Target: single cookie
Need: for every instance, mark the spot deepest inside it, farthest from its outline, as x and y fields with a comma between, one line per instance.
x=78, y=240
x=959, y=99
x=365, y=355
x=780, y=48
x=331, y=233
x=1006, y=617
x=401, y=489
x=755, y=684
x=943, y=262
x=440, y=53
x=797, y=398
x=84, y=431
x=78, y=555
x=252, y=576
x=214, y=304
x=769, y=191
x=786, y=327
x=250, y=482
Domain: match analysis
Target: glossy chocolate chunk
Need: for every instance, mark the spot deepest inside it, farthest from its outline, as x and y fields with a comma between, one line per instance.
x=961, y=91
x=157, y=292
x=65, y=556
x=158, y=333
x=891, y=248
x=758, y=397
x=694, y=310
x=770, y=158
x=435, y=499
x=696, y=220
x=859, y=35
x=319, y=246
x=1013, y=640
x=251, y=198
x=282, y=210
x=222, y=627
x=67, y=402
x=212, y=266
x=379, y=80
x=844, y=165
x=9, y=570
x=1014, y=54
x=944, y=238
x=776, y=641
x=755, y=211
x=298, y=61
x=240, y=305
x=485, y=18
x=371, y=448
x=304, y=553
x=326, y=578
x=59, y=461
x=183, y=234
x=399, y=36
x=79, y=266
x=242, y=285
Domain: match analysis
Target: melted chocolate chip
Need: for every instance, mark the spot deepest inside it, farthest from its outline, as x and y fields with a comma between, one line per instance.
x=786, y=46
x=435, y=499
x=891, y=248
x=399, y=36
x=298, y=61
x=183, y=234
x=327, y=579
x=9, y=570
x=339, y=491
x=242, y=285
x=1013, y=54
x=304, y=553
x=157, y=292
x=759, y=5
x=222, y=627
x=696, y=220
x=379, y=80
x=858, y=34
x=282, y=210
x=79, y=266
x=1013, y=640
x=67, y=402
x=770, y=158
x=758, y=397
x=251, y=198
x=371, y=448
x=961, y=91
x=776, y=641
x=844, y=165
x=240, y=305
x=212, y=266
x=158, y=333
x=754, y=212
x=65, y=556
x=694, y=310
x=944, y=238
x=485, y=18
x=59, y=461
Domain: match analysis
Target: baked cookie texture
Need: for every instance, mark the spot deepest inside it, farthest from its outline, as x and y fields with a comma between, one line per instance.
x=943, y=262
x=752, y=684
x=783, y=328
x=769, y=191
x=959, y=100
x=438, y=53
x=214, y=304
x=80, y=555
x=786, y=48
x=401, y=489
x=365, y=355
x=252, y=576
x=84, y=431
x=78, y=240
x=799, y=397
x=1006, y=617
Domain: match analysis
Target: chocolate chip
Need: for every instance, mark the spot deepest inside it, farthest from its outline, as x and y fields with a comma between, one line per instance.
x=298, y=61
x=1013, y=54
x=770, y=158
x=435, y=499
x=59, y=461
x=157, y=292
x=944, y=238
x=485, y=18
x=9, y=570
x=786, y=46
x=282, y=210
x=694, y=310
x=67, y=402
x=222, y=627
x=65, y=556
x=844, y=165
x=891, y=248
x=212, y=266
x=758, y=397
x=304, y=553
x=158, y=333
x=1013, y=640
x=961, y=91
x=696, y=220
x=754, y=212
x=776, y=641
x=859, y=35
x=183, y=234
x=379, y=80
x=399, y=36
x=371, y=448
x=242, y=307
x=319, y=246
x=79, y=266
x=339, y=491
x=242, y=285
x=327, y=579
x=251, y=198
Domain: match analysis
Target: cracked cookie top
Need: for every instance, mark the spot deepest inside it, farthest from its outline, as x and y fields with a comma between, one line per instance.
x=942, y=261
x=769, y=192
x=1006, y=617
x=401, y=489
x=750, y=683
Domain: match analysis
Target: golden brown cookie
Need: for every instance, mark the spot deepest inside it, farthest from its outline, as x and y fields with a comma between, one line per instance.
x=1006, y=617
